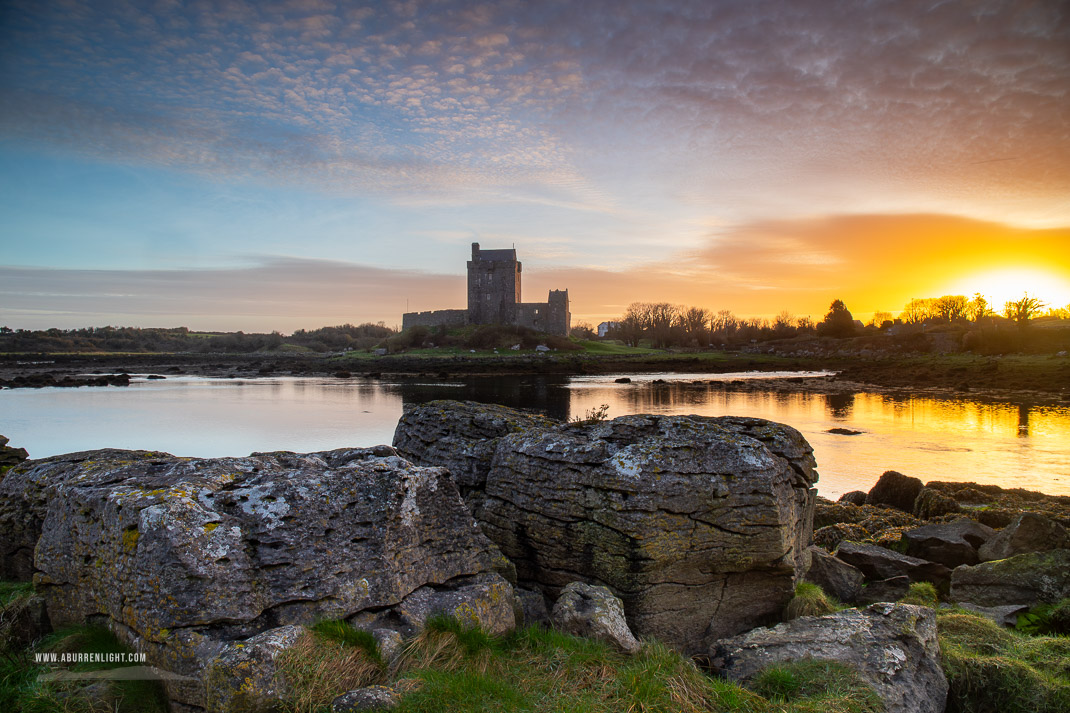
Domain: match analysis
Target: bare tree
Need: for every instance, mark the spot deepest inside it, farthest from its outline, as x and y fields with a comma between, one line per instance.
x=695, y=321
x=1023, y=310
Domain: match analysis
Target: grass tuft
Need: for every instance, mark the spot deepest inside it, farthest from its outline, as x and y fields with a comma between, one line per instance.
x=923, y=594
x=809, y=600
x=989, y=668
x=317, y=669
x=344, y=633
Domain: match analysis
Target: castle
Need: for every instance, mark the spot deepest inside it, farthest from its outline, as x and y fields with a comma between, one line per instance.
x=494, y=298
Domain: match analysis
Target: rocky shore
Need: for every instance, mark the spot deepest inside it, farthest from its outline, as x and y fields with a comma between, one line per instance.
x=699, y=533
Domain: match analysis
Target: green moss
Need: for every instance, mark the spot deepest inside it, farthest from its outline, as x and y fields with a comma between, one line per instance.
x=992, y=669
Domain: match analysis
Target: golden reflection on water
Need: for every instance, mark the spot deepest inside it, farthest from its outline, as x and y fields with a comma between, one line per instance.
x=1012, y=445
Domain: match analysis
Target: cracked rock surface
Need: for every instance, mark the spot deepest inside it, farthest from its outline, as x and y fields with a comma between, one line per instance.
x=697, y=524
x=185, y=556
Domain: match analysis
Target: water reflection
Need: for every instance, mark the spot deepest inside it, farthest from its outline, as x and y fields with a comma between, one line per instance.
x=1011, y=444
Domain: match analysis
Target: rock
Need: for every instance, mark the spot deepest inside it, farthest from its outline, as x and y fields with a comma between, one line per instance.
x=697, y=524
x=390, y=643
x=1029, y=579
x=932, y=503
x=895, y=490
x=950, y=544
x=533, y=605
x=855, y=497
x=460, y=436
x=623, y=380
x=830, y=536
x=10, y=456
x=24, y=620
x=1005, y=615
x=892, y=646
x=844, y=432
x=484, y=601
x=179, y=555
x=242, y=676
x=26, y=491
x=884, y=590
x=881, y=563
x=834, y=576
x=1028, y=533
x=369, y=698
x=595, y=613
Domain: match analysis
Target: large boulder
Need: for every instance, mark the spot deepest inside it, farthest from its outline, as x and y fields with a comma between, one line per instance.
x=893, y=647
x=895, y=490
x=833, y=575
x=595, y=613
x=180, y=556
x=460, y=436
x=697, y=524
x=949, y=543
x=878, y=562
x=1029, y=532
x=1028, y=579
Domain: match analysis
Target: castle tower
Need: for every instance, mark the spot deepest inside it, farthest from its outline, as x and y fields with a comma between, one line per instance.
x=493, y=286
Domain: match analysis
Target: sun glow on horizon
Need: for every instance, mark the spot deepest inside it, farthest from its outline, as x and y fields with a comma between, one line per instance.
x=1003, y=285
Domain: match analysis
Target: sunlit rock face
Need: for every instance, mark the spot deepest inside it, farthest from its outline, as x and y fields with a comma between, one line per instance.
x=180, y=556
x=697, y=524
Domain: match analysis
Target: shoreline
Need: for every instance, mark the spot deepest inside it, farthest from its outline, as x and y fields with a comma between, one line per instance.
x=1042, y=380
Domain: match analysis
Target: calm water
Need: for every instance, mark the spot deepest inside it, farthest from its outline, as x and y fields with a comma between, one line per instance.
x=1013, y=445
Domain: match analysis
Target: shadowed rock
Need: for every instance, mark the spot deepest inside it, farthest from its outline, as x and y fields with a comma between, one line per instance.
x=892, y=646
x=595, y=613
x=950, y=544
x=881, y=563
x=1023, y=579
x=1028, y=533
x=833, y=575
x=895, y=490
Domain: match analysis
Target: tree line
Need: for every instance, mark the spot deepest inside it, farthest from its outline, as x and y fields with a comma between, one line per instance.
x=181, y=339
x=663, y=325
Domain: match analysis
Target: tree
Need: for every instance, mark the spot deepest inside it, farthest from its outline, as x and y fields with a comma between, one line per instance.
x=880, y=320
x=838, y=322
x=951, y=308
x=694, y=320
x=977, y=308
x=582, y=330
x=784, y=324
x=917, y=311
x=1023, y=310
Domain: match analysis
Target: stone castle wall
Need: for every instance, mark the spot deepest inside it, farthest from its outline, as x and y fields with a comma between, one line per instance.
x=435, y=318
x=494, y=282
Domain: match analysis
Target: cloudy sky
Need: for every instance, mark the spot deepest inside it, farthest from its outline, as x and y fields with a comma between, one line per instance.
x=276, y=165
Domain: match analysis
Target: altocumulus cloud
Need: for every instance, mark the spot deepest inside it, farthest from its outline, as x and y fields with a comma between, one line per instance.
x=723, y=107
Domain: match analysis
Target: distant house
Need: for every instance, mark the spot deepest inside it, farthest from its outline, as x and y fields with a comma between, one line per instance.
x=494, y=298
x=604, y=327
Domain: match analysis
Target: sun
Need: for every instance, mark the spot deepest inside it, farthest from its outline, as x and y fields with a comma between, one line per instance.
x=1002, y=285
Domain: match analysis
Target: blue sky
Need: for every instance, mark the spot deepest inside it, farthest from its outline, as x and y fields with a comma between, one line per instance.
x=277, y=165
